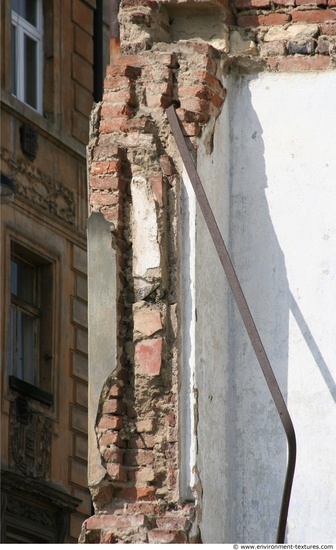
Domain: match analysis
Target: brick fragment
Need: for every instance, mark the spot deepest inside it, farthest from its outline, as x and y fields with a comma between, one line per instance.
x=138, y=457
x=323, y=45
x=263, y=20
x=143, y=441
x=115, y=391
x=167, y=165
x=299, y=63
x=107, y=537
x=145, y=425
x=329, y=28
x=116, y=471
x=148, y=355
x=311, y=2
x=110, y=439
x=248, y=4
x=113, y=455
x=105, y=167
x=117, y=110
x=303, y=47
x=110, y=423
x=136, y=493
x=173, y=523
x=147, y=321
x=114, y=522
x=157, y=185
x=114, y=406
x=103, y=199
x=270, y=49
x=144, y=475
x=313, y=16
x=107, y=183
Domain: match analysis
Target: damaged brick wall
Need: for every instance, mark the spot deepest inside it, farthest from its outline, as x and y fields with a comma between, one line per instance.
x=135, y=178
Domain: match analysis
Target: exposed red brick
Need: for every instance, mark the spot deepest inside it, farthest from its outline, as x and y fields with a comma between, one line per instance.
x=173, y=523
x=329, y=28
x=118, y=110
x=113, y=454
x=110, y=423
x=210, y=80
x=299, y=63
x=167, y=165
x=105, y=167
x=110, y=439
x=115, y=391
x=116, y=471
x=148, y=355
x=144, y=475
x=313, y=16
x=284, y=2
x=147, y=321
x=107, y=152
x=157, y=185
x=112, y=213
x=247, y=4
x=191, y=129
x=171, y=418
x=145, y=425
x=314, y=2
x=104, y=199
x=190, y=116
x=107, y=537
x=263, y=20
x=143, y=441
x=114, y=406
x=113, y=522
x=136, y=493
x=136, y=458
x=107, y=183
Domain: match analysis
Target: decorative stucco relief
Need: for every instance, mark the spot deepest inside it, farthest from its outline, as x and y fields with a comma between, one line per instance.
x=39, y=188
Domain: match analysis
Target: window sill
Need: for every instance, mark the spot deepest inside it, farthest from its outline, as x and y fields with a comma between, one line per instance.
x=31, y=391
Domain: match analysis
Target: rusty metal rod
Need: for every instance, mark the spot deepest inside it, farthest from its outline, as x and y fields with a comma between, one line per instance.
x=245, y=314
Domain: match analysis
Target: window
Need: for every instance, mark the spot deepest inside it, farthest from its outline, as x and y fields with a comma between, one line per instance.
x=27, y=52
x=30, y=351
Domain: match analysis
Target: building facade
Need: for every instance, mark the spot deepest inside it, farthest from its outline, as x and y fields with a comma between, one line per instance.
x=47, y=87
x=185, y=443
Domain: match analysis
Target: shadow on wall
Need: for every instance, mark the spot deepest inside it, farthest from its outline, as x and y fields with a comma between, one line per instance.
x=258, y=449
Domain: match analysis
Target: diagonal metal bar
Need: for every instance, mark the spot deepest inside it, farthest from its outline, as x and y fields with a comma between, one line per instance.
x=245, y=313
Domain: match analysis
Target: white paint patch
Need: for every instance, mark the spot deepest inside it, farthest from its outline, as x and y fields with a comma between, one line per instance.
x=275, y=153
x=146, y=249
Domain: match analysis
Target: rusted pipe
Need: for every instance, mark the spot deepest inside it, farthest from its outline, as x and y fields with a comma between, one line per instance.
x=114, y=28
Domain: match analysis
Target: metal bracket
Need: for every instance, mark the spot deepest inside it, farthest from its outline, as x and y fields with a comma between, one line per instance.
x=244, y=312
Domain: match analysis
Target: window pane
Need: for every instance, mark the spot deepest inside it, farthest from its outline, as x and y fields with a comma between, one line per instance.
x=14, y=61
x=30, y=49
x=15, y=5
x=26, y=356
x=12, y=329
x=24, y=281
x=30, y=11
x=26, y=9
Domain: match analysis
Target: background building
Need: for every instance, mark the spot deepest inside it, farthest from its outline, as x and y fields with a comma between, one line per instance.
x=184, y=440
x=47, y=87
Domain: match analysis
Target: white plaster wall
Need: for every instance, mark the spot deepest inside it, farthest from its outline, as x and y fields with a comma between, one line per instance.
x=271, y=179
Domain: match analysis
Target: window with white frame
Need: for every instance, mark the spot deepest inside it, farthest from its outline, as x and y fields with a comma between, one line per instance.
x=27, y=52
